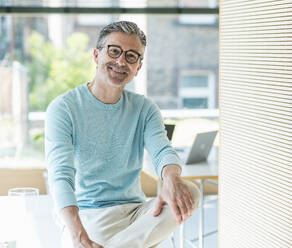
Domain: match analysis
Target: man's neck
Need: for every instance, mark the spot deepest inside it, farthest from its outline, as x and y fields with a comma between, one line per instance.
x=104, y=92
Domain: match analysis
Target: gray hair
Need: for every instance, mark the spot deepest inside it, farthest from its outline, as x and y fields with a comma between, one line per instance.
x=121, y=26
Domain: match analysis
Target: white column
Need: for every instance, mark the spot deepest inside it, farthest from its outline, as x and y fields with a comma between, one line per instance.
x=20, y=104
x=55, y=25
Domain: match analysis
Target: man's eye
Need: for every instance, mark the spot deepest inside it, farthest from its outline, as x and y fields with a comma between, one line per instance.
x=115, y=51
x=132, y=56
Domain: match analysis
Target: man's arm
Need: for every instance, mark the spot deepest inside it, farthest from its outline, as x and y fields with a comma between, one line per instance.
x=175, y=193
x=60, y=162
x=79, y=236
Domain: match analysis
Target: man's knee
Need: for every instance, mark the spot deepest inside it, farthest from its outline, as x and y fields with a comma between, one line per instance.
x=195, y=191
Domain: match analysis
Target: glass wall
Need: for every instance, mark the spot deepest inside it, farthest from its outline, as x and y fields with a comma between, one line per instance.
x=43, y=56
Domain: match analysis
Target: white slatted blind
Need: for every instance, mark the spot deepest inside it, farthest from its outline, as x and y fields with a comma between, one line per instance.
x=255, y=175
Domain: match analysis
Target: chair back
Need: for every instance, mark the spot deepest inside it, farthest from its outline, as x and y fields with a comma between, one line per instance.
x=17, y=178
x=149, y=183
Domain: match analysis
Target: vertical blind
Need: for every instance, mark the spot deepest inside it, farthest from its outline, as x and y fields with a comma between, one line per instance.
x=255, y=172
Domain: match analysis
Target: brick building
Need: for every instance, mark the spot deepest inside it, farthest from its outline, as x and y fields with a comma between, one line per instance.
x=182, y=61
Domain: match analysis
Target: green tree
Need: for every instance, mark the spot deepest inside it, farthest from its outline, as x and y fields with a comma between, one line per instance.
x=55, y=70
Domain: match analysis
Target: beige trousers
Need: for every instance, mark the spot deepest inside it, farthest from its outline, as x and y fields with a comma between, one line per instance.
x=129, y=225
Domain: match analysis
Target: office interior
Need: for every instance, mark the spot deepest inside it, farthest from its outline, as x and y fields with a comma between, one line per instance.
x=205, y=68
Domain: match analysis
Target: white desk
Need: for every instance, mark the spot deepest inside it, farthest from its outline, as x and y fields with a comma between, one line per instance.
x=39, y=225
x=201, y=172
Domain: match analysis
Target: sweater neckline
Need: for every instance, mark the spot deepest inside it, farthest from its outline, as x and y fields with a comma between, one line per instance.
x=100, y=104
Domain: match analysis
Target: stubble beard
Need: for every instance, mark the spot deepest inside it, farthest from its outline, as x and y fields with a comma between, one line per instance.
x=115, y=85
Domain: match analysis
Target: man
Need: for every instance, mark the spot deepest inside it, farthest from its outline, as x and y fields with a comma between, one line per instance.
x=95, y=139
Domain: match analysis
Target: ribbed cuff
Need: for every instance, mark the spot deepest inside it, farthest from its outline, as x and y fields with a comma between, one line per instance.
x=167, y=159
x=65, y=200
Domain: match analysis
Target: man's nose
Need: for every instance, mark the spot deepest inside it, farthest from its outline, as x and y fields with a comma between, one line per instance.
x=122, y=59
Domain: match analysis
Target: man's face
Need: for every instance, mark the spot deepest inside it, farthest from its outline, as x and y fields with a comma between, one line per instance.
x=117, y=72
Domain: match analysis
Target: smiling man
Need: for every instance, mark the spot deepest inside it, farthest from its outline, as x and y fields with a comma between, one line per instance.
x=95, y=138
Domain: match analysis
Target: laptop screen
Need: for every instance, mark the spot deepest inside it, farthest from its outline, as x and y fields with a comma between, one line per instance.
x=169, y=129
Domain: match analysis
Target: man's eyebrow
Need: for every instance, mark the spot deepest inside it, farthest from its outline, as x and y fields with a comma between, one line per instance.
x=114, y=45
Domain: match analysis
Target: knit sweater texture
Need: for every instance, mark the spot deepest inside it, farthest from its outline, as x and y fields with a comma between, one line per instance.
x=94, y=151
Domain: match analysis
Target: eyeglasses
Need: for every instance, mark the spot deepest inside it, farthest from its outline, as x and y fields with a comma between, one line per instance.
x=115, y=52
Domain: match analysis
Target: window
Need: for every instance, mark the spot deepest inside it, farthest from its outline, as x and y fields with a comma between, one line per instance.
x=199, y=19
x=198, y=3
x=195, y=103
x=199, y=81
x=93, y=20
x=190, y=50
x=197, y=90
x=56, y=51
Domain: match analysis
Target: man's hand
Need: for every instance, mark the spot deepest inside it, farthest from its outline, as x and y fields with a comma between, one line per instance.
x=85, y=243
x=79, y=235
x=176, y=194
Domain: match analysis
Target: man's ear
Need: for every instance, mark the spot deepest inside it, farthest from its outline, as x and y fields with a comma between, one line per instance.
x=95, y=55
x=138, y=69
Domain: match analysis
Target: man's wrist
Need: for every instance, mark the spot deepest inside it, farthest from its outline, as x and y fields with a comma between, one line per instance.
x=80, y=237
x=70, y=216
x=171, y=171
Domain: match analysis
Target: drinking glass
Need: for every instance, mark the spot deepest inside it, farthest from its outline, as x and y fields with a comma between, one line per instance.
x=26, y=192
x=23, y=191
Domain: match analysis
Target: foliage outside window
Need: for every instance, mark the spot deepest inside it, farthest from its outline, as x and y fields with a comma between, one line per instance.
x=55, y=70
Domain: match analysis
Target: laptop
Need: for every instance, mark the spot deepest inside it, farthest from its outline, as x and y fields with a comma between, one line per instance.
x=201, y=148
x=169, y=129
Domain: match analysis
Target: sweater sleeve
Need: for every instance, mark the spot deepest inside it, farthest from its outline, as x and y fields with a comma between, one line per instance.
x=59, y=154
x=156, y=141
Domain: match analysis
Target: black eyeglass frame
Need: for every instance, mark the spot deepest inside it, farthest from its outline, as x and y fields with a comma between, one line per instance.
x=122, y=51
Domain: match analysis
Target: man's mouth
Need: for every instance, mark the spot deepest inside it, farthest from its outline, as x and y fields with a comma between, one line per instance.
x=122, y=72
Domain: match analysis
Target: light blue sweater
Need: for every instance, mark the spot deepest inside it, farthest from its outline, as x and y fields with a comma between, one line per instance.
x=94, y=151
